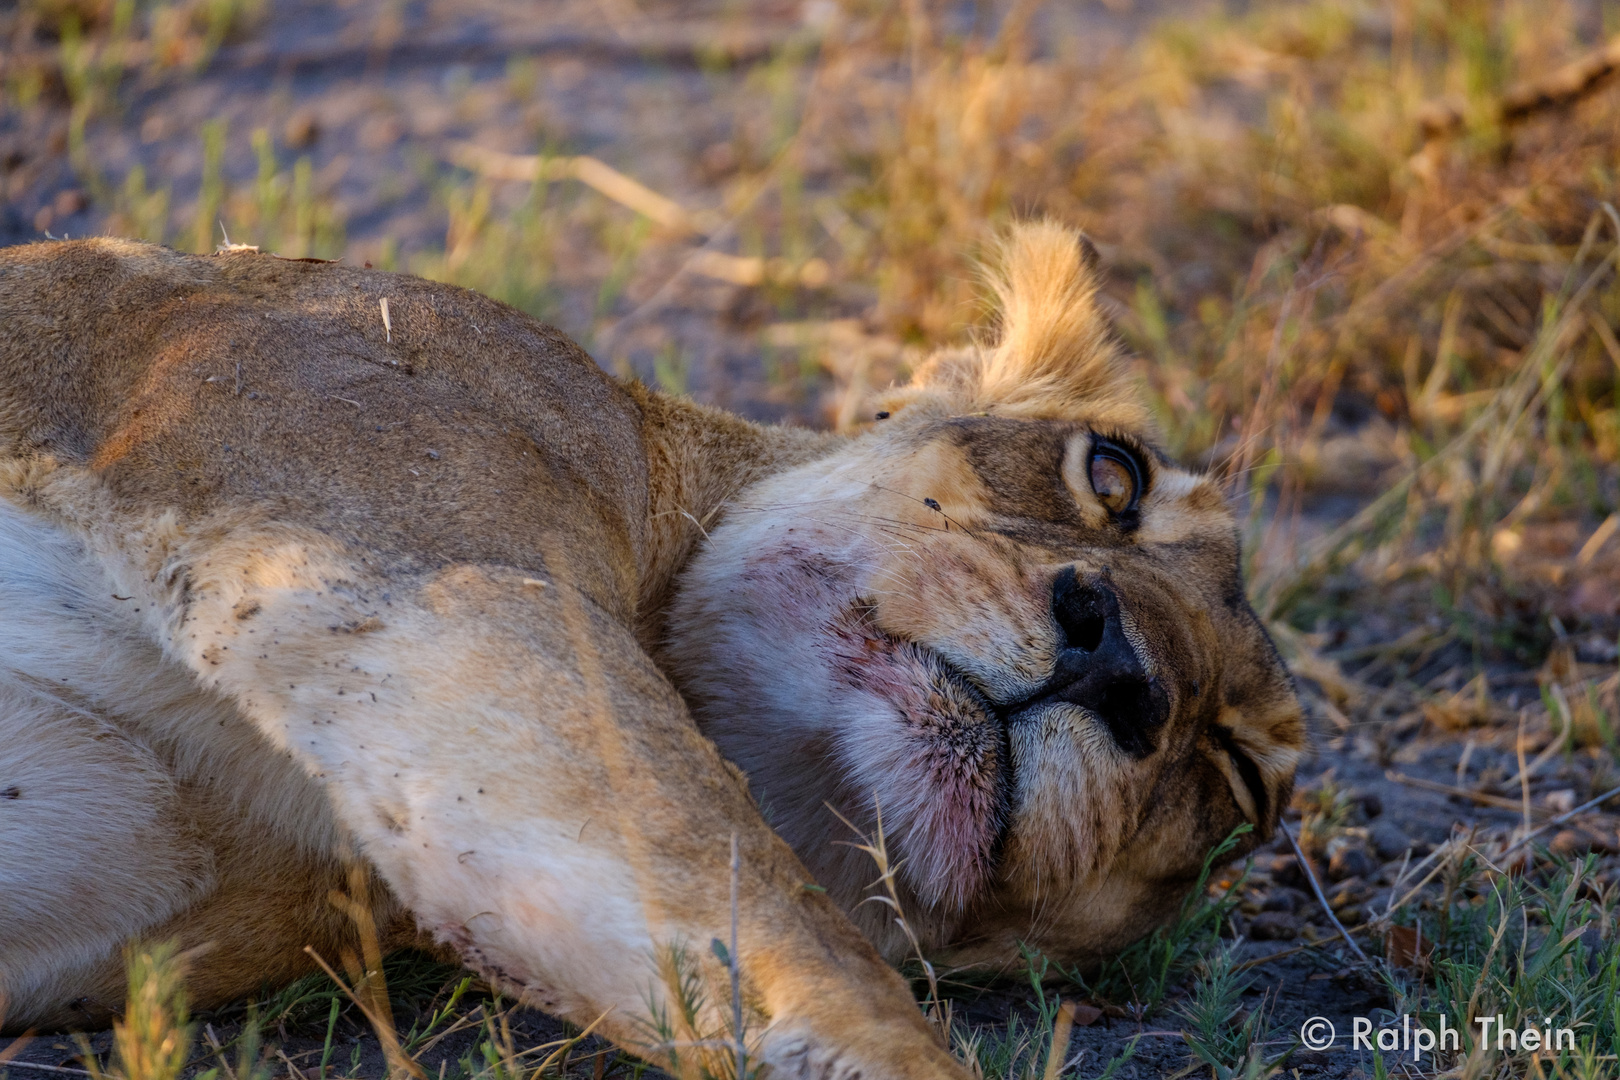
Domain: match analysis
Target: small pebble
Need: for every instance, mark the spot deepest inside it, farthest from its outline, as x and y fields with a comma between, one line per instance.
x=1349, y=862
x=1578, y=841
x=1286, y=871
x=1388, y=841
x=1286, y=900
x=1273, y=926
x=1346, y=892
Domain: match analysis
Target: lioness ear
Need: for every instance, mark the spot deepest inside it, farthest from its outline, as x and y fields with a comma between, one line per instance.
x=1257, y=748
x=1054, y=357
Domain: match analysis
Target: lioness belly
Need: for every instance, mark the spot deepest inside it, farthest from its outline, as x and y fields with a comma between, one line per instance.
x=115, y=819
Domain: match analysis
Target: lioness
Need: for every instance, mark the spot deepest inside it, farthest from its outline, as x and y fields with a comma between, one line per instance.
x=298, y=559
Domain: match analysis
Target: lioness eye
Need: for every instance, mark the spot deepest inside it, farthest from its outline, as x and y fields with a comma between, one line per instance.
x=1115, y=477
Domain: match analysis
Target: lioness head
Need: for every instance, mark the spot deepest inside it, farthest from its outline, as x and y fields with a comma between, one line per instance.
x=1008, y=623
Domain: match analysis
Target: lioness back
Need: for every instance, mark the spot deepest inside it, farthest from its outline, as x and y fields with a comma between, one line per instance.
x=439, y=425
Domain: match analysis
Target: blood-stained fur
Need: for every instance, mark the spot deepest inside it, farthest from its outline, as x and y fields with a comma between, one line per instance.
x=288, y=585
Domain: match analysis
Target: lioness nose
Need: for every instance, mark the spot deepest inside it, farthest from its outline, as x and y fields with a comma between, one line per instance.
x=1098, y=668
x=1083, y=612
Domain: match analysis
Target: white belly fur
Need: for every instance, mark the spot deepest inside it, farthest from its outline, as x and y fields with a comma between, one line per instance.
x=116, y=770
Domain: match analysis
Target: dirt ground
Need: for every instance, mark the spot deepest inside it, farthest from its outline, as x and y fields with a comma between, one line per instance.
x=378, y=93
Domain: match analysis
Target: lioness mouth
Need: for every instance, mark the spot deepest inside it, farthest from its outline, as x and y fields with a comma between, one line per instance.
x=946, y=773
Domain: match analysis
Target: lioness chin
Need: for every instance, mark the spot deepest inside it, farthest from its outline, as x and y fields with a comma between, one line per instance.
x=301, y=563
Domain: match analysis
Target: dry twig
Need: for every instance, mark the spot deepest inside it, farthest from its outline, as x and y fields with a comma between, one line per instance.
x=1321, y=898
x=1564, y=87
x=1480, y=798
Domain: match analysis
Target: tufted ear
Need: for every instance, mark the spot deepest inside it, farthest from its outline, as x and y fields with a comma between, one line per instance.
x=1259, y=735
x=1054, y=357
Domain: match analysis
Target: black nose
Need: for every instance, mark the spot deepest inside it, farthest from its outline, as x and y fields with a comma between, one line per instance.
x=1083, y=612
x=1098, y=669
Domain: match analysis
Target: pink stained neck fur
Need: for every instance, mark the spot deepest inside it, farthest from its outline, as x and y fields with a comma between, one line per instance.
x=698, y=459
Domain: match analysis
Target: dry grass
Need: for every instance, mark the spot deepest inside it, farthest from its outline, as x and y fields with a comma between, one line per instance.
x=1479, y=934
x=1291, y=248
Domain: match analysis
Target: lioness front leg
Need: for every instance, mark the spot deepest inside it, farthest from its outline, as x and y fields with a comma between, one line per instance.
x=533, y=789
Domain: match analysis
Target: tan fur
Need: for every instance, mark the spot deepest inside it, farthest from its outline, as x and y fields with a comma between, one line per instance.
x=328, y=588
x=1054, y=357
